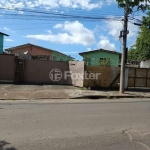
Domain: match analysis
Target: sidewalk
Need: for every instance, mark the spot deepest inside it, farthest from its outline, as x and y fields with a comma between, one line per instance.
x=106, y=94
x=33, y=92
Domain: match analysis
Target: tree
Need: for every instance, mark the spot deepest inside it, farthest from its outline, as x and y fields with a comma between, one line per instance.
x=141, y=49
x=128, y=6
x=132, y=54
x=141, y=4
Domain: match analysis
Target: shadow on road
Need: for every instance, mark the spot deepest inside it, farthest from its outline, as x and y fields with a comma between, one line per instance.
x=3, y=144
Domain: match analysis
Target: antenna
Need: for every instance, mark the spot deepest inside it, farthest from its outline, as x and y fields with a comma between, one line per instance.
x=26, y=52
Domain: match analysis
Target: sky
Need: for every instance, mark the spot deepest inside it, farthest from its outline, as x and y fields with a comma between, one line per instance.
x=68, y=26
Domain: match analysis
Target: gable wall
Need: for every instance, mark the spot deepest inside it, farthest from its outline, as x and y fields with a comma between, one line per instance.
x=95, y=56
x=32, y=51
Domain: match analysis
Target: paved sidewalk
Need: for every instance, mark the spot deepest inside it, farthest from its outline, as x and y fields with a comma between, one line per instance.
x=29, y=92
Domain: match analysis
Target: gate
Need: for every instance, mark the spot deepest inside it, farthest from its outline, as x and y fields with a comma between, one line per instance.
x=19, y=70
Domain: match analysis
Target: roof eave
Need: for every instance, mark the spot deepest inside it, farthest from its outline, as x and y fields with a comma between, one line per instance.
x=4, y=34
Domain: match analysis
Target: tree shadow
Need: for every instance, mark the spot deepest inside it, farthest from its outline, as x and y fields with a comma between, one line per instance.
x=3, y=144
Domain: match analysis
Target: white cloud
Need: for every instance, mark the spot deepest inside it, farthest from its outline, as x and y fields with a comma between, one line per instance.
x=70, y=52
x=30, y=4
x=11, y=4
x=8, y=30
x=89, y=49
x=9, y=40
x=57, y=26
x=133, y=30
x=104, y=43
x=71, y=33
x=84, y=4
x=109, y=2
x=114, y=28
x=49, y=31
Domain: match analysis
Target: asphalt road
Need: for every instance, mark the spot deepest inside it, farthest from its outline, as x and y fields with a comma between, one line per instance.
x=86, y=125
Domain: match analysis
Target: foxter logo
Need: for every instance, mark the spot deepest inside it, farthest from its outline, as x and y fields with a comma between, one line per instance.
x=55, y=75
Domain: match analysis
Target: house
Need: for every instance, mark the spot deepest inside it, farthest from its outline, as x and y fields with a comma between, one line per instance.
x=30, y=51
x=101, y=57
x=2, y=41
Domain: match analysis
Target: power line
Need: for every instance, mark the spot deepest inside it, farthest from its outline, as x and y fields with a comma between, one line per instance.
x=53, y=11
x=36, y=15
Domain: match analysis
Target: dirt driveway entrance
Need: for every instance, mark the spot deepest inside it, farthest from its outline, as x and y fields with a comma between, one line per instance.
x=14, y=92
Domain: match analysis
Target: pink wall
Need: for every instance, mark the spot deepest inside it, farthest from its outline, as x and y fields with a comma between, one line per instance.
x=32, y=51
x=36, y=71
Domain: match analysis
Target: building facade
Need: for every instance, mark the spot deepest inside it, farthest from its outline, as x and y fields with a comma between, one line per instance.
x=31, y=51
x=101, y=57
x=2, y=41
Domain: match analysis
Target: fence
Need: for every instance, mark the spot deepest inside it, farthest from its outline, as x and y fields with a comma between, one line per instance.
x=33, y=71
x=50, y=72
x=108, y=77
x=139, y=77
x=47, y=72
x=7, y=67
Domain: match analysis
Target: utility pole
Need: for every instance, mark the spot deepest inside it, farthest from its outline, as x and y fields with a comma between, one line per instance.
x=124, y=35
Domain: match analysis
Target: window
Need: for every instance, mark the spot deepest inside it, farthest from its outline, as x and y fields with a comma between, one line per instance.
x=104, y=62
x=44, y=58
x=54, y=58
x=87, y=60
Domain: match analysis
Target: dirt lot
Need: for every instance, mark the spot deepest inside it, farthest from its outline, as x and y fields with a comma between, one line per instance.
x=12, y=91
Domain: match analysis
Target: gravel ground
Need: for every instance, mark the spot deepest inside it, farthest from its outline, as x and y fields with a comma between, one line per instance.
x=13, y=92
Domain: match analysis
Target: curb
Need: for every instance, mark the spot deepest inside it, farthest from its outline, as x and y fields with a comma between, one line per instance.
x=108, y=97
x=82, y=97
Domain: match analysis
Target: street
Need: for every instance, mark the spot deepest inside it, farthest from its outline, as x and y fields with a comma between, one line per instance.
x=122, y=124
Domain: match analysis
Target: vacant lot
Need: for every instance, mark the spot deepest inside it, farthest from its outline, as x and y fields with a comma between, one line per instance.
x=12, y=91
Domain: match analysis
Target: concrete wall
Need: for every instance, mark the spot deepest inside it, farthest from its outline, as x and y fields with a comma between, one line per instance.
x=95, y=57
x=36, y=71
x=77, y=70
x=145, y=64
x=7, y=67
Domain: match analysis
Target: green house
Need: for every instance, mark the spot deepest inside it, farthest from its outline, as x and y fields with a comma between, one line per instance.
x=2, y=41
x=101, y=57
x=57, y=56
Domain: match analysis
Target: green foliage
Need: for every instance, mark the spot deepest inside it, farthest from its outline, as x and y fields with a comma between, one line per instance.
x=132, y=54
x=131, y=3
x=134, y=3
x=141, y=49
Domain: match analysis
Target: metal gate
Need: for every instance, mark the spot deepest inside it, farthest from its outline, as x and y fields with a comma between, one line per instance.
x=139, y=77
